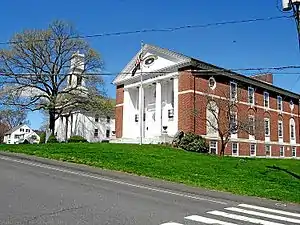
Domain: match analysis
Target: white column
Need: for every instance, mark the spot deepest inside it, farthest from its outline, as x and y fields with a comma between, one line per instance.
x=126, y=113
x=175, y=88
x=141, y=112
x=158, y=112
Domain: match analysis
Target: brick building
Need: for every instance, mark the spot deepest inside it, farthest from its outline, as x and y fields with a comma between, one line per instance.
x=175, y=94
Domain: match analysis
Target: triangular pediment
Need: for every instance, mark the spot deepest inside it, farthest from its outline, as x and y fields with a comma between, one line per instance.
x=153, y=59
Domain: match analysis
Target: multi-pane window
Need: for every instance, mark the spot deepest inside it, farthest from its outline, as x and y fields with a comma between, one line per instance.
x=251, y=125
x=233, y=122
x=213, y=148
x=96, y=133
x=294, y=153
x=79, y=80
x=107, y=133
x=27, y=130
x=268, y=150
x=251, y=95
x=234, y=148
x=279, y=103
x=281, y=151
x=252, y=149
x=280, y=129
x=96, y=118
x=21, y=129
x=267, y=127
x=266, y=99
x=233, y=91
x=108, y=119
x=292, y=129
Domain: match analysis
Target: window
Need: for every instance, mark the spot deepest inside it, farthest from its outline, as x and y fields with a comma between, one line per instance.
x=279, y=103
x=267, y=127
x=251, y=125
x=292, y=129
x=17, y=136
x=136, y=118
x=233, y=91
x=233, y=122
x=96, y=133
x=234, y=148
x=280, y=129
x=251, y=95
x=266, y=100
x=294, y=152
x=281, y=151
x=213, y=147
x=253, y=149
x=21, y=130
x=96, y=118
x=70, y=79
x=291, y=104
x=107, y=119
x=79, y=80
x=107, y=133
x=212, y=83
x=268, y=150
x=27, y=130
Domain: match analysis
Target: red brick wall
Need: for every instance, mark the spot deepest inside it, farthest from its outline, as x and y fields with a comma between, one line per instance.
x=119, y=110
x=187, y=83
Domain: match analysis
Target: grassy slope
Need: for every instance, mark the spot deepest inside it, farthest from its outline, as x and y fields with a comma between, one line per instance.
x=236, y=175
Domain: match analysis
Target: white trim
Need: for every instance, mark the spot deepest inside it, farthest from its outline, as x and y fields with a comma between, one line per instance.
x=240, y=102
x=252, y=136
x=269, y=126
x=268, y=98
x=295, y=152
x=119, y=105
x=281, y=146
x=292, y=122
x=237, y=148
x=215, y=83
x=217, y=152
x=153, y=80
x=280, y=138
x=270, y=150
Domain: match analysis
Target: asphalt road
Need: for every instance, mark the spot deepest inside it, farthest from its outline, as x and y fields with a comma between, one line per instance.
x=39, y=192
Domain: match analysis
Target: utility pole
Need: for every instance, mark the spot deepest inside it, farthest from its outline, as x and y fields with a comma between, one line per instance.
x=293, y=5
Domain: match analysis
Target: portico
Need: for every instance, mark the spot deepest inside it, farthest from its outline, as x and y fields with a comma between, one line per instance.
x=159, y=107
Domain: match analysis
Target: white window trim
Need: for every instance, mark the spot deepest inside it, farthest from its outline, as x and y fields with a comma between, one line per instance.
x=231, y=97
x=267, y=135
x=270, y=150
x=283, y=151
x=294, y=130
x=279, y=99
x=268, y=98
x=252, y=136
x=253, y=97
x=217, y=152
x=254, y=149
x=294, y=156
x=280, y=122
x=237, y=146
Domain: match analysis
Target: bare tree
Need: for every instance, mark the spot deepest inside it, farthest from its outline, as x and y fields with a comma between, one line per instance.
x=225, y=119
x=13, y=116
x=38, y=68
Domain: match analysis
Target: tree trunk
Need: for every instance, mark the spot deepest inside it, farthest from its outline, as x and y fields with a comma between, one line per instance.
x=223, y=145
x=52, y=120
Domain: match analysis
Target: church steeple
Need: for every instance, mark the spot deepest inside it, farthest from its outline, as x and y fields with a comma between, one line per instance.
x=76, y=70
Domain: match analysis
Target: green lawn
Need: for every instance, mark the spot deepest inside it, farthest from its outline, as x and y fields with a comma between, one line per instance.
x=269, y=178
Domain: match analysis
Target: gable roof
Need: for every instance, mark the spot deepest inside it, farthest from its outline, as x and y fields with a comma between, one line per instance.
x=14, y=129
x=199, y=65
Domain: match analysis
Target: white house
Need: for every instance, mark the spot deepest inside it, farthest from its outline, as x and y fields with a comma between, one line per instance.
x=93, y=126
x=19, y=134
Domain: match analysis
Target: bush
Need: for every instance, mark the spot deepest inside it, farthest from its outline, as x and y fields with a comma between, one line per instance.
x=52, y=139
x=76, y=139
x=42, y=138
x=25, y=142
x=194, y=143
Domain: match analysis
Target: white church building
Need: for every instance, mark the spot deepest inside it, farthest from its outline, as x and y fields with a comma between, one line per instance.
x=93, y=126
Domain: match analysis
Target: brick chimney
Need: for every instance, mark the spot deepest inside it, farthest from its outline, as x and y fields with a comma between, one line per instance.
x=267, y=77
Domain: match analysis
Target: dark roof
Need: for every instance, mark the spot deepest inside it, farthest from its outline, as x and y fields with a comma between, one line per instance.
x=14, y=129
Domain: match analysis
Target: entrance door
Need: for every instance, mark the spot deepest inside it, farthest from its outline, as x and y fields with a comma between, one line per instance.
x=150, y=112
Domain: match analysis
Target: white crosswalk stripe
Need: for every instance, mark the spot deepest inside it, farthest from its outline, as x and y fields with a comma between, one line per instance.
x=271, y=216
x=207, y=220
x=270, y=210
x=243, y=213
x=243, y=218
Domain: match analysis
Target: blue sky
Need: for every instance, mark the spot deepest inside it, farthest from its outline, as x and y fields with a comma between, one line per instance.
x=260, y=44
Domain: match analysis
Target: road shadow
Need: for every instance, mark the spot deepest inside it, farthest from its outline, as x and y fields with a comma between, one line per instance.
x=297, y=176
